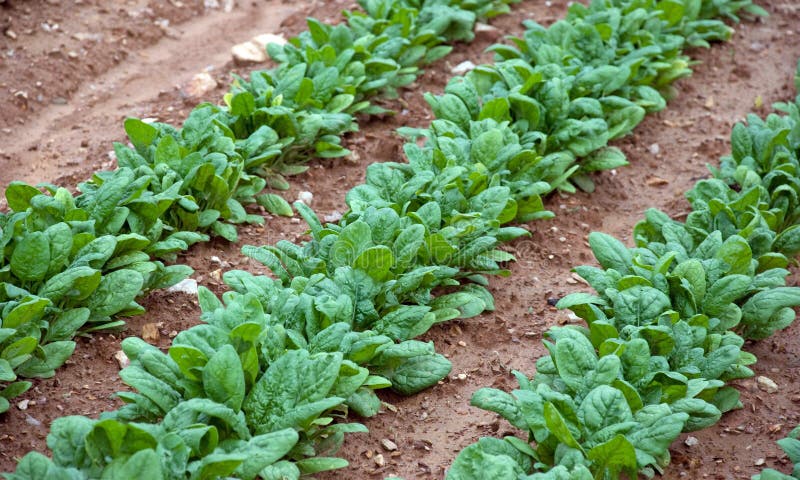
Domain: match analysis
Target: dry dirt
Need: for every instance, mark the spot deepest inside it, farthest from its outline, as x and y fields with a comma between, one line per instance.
x=137, y=68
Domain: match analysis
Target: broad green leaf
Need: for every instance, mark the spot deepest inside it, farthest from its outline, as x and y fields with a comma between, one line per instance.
x=614, y=457
x=141, y=134
x=19, y=195
x=610, y=252
x=223, y=378
x=275, y=204
x=31, y=257
x=558, y=426
x=376, y=262
x=115, y=292
x=293, y=391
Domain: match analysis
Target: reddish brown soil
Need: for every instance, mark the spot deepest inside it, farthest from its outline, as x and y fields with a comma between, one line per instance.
x=429, y=428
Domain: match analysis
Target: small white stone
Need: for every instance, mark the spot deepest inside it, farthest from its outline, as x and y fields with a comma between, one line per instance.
x=462, y=376
x=187, y=286
x=462, y=68
x=91, y=37
x=691, y=441
x=759, y=462
x=266, y=38
x=32, y=421
x=766, y=384
x=218, y=261
x=378, y=459
x=655, y=148
x=486, y=31
x=333, y=217
x=162, y=23
x=122, y=359
x=200, y=85
x=305, y=197
x=149, y=120
x=23, y=405
x=248, y=52
x=388, y=445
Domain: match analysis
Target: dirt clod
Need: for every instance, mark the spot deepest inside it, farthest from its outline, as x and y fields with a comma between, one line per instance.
x=150, y=333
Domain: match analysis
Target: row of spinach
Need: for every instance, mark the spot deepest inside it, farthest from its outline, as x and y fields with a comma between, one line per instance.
x=264, y=386
x=666, y=327
x=76, y=263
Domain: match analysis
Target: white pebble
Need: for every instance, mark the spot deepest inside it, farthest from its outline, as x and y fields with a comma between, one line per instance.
x=388, y=445
x=766, y=384
x=122, y=359
x=187, y=286
x=462, y=68
x=266, y=38
x=248, y=52
x=333, y=217
x=305, y=197
x=200, y=85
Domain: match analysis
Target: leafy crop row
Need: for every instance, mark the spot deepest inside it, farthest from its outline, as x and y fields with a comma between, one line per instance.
x=256, y=389
x=71, y=263
x=665, y=330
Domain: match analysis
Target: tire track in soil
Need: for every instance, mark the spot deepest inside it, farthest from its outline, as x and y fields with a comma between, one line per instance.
x=97, y=109
x=84, y=386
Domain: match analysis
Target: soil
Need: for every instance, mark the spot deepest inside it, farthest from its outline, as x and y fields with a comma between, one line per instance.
x=134, y=67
